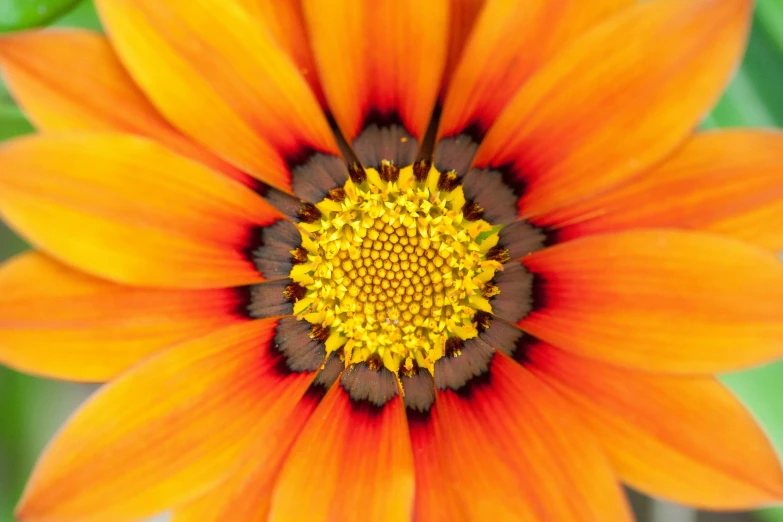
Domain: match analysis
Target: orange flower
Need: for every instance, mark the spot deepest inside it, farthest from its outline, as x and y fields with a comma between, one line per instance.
x=313, y=301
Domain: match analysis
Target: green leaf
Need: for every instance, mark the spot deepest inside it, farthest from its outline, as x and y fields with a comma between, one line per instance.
x=741, y=105
x=770, y=16
x=23, y=14
x=12, y=122
x=83, y=16
x=753, y=99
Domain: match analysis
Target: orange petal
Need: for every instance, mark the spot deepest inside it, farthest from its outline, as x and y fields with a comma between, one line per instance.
x=167, y=430
x=754, y=225
x=57, y=322
x=352, y=462
x=218, y=76
x=285, y=22
x=438, y=494
x=728, y=181
x=131, y=211
x=510, y=41
x=462, y=19
x=660, y=300
x=246, y=495
x=380, y=60
x=71, y=80
x=509, y=448
x=683, y=438
x=617, y=101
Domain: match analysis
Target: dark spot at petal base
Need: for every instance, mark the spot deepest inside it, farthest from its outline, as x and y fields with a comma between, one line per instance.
x=539, y=299
x=483, y=320
x=308, y=213
x=270, y=299
x=390, y=142
x=279, y=363
x=253, y=239
x=314, y=394
x=337, y=194
x=273, y=257
x=389, y=172
x=241, y=301
x=499, y=254
x=515, y=299
x=319, y=332
x=472, y=211
x=285, y=203
x=455, y=153
x=418, y=387
x=447, y=181
x=521, y=238
x=421, y=169
x=478, y=382
x=488, y=189
x=364, y=383
x=294, y=292
x=455, y=371
x=302, y=352
x=503, y=336
x=357, y=173
x=320, y=174
x=331, y=370
x=298, y=256
x=453, y=347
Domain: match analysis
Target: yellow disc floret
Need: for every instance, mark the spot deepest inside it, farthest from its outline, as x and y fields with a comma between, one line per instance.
x=394, y=269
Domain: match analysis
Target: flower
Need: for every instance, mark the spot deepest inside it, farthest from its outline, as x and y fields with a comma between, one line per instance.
x=312, y=303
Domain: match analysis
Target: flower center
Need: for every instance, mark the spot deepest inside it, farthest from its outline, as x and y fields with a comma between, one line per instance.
x=393, y=268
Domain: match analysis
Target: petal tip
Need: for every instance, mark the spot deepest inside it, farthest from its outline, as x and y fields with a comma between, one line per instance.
x=26, y=509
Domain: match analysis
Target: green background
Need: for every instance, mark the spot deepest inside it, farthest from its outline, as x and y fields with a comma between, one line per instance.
x=31, y=409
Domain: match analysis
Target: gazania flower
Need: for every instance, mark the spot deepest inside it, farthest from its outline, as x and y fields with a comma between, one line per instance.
x=314, y=300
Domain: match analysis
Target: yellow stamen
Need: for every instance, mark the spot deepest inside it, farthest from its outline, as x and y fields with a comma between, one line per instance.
x=394, y=269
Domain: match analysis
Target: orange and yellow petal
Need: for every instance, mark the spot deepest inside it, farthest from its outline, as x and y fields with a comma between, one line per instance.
x=616, y=101
x=660, y=300
x=218, y=76
x=284, y=19
x=687, y=439
x=509, y=42
x=131, y=211
x=439, y=495
x=71, y=80
x=62, y=323
x=462, y=19
x=166, y=431
x=729, y=182
x=247, y=494
x=380, y=60
x=352, y=462
x=507, y=447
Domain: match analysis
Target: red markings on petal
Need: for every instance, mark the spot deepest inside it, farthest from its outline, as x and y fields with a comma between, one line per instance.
x=129, y=210
x=507, y=447
x=684, y=438
x=352, y=462
x=660, y=300
x=166, y=431
x=62, y=323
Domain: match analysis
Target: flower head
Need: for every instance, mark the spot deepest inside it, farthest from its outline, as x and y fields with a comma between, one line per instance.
x=391, y=259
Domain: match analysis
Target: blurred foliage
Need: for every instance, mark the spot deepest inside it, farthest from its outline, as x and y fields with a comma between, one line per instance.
x=83, y=16
x=755, y=98
x=24, y=14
